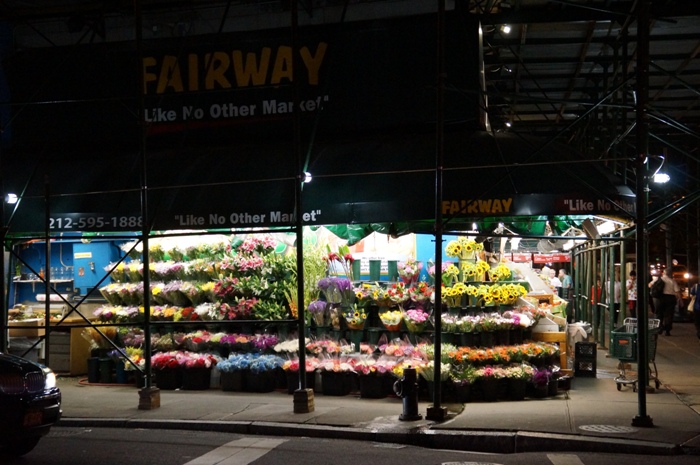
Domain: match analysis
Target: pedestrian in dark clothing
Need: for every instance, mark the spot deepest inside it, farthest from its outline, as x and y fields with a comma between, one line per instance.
x=696, y=309
x=665, y=305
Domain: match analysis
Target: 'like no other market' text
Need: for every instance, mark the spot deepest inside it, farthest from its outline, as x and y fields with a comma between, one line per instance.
x=243, y=219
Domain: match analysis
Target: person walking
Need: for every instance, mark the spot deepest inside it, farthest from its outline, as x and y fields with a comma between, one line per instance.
x=632, y=294
x=665, y=305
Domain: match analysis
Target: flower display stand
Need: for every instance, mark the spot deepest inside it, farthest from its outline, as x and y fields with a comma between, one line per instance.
x=232, y=380
x=196, y=379
x=168, y=379
x=336, y=383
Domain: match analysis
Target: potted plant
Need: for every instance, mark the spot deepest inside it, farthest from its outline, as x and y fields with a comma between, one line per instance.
x=540, y=380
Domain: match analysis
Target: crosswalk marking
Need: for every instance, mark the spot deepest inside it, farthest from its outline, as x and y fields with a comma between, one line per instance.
x=564, y=459
x=240, y=452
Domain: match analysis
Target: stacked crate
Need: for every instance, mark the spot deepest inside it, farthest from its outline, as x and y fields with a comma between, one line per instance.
x=585, y=359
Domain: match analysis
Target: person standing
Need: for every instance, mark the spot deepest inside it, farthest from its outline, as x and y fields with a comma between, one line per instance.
x=696, y=309
x=665, y=305
x=632, y=294
x=617, y=294
x=567, y=285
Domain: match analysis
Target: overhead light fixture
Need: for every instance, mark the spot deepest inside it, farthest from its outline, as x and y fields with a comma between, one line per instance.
x=661, y=178
x=606, y=227
x=508, y=124
x=307, y=177
x=515, y=243
x=11, y=199
x=505, y=28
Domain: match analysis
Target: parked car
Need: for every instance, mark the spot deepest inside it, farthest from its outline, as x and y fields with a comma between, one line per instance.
x=30, y=404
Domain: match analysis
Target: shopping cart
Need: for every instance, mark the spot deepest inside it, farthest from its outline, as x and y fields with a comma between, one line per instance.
x=624, y=348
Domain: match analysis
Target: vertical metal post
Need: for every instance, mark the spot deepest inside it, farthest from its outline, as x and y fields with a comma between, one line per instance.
x=611, y=289
x=623, y=278
x=601, y=309
x=149, y=396
x=437, y=412
x=591, y=314
x=301, y=323
x=642, y=189
x=47, y=272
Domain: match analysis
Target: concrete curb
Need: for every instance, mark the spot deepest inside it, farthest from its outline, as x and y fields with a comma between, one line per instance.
x=476, y=441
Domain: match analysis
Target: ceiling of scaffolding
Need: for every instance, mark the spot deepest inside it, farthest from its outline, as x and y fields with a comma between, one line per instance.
x=560, y=70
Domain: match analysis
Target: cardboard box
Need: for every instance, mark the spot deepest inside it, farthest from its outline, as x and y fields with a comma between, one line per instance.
x=27, y=328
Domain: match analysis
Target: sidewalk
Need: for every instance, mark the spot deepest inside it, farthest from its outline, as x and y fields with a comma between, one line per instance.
x=592, y=416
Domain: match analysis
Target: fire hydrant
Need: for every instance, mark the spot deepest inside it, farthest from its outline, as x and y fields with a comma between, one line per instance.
x=407, y=389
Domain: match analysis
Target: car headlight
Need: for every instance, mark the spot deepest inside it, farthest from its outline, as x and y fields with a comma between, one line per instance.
x=49, y=378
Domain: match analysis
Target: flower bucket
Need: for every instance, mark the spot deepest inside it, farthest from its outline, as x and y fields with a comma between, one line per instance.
x=293, y=380
x=517, y=388
x=448, y=338
x=336, y=383
x=264, y=381
x=553, y=387
x=196, y=379
x=168, y=379
x=431, y=390
x=393, y=270
x=462, y=392
x=232, y=380
x=487, y=339
x=322, y=331
x=467, y=340
x=356, y=337
x=374, y=334
x=503, y=337
x=489, y=388
x=120, y=374
x=93, y=364
x=375, y=268
x=516, y=336
x=540, y=391
x=357, y=270
x=375, y=386
x=106, y=370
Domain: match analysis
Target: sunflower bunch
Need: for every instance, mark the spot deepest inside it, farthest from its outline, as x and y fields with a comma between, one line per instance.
x=463, y=248
x=452, y=295
x=500, y=273
x=471, y=271
x=355, y=317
